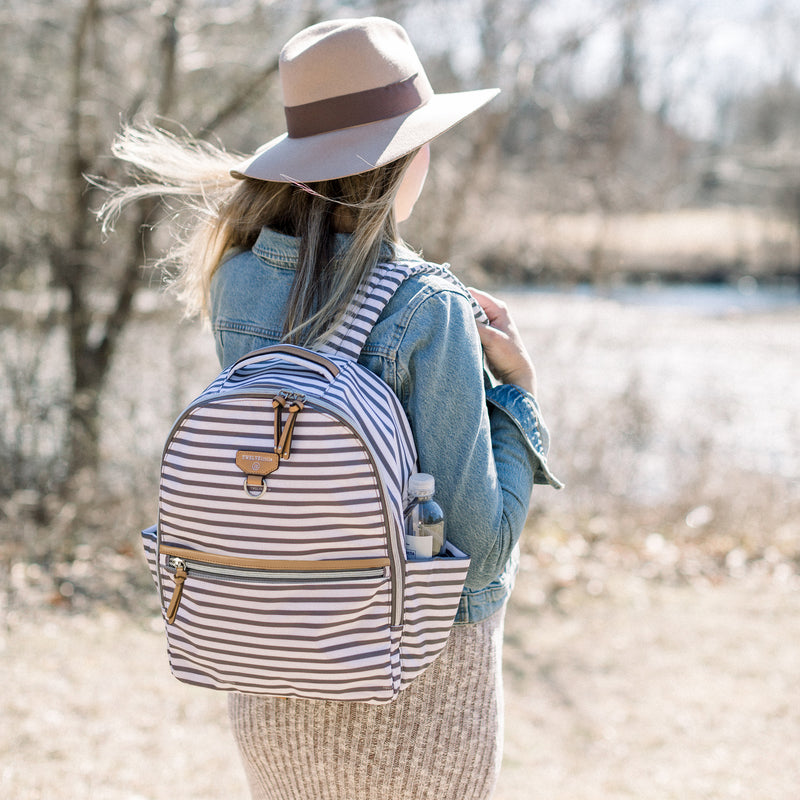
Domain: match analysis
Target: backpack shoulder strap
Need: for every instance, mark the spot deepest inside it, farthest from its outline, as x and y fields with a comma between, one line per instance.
x=371, y=298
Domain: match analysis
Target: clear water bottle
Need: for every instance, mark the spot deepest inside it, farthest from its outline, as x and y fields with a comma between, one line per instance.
x=424, y=534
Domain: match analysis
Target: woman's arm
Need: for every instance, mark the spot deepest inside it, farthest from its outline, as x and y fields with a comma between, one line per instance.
x=484, y=456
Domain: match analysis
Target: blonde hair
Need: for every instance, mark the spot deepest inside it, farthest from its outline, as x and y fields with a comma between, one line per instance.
x=227, y=214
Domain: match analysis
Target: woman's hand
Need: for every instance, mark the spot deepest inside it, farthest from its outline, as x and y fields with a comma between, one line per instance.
x=506, y=355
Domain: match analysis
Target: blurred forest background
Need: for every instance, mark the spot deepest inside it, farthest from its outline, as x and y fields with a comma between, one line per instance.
x=636, y=142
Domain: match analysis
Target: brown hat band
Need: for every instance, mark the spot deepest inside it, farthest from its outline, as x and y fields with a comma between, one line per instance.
x=357, y=108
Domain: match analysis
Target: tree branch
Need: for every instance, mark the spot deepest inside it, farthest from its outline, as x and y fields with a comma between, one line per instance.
x=247, y=93
x=240, y=100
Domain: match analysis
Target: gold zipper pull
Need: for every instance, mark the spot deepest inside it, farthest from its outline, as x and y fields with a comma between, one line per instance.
x=286, y=437
x=177, y=592
x=277, y=406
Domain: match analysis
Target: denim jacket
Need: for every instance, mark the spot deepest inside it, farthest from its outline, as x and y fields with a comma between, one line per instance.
x=485, y=445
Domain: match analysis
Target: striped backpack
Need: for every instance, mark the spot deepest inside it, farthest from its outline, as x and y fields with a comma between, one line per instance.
x=278, y=555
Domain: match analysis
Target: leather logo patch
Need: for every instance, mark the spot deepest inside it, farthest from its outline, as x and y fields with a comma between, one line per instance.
x=252, y=463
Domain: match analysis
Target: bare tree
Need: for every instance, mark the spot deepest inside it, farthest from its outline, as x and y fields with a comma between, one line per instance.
x=510, y=56
x=763, y=158
x=93, y=334
x=74, y=70
x=91, y=350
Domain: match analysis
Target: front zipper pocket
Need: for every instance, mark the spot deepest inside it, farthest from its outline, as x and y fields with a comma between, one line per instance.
x=293, y=628
x=182, y=563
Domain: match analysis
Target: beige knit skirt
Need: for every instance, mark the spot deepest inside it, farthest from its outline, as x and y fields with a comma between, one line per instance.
x=442, y=738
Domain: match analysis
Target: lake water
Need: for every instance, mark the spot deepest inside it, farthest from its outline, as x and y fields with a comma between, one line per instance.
x=653, y=387
x=746, y=296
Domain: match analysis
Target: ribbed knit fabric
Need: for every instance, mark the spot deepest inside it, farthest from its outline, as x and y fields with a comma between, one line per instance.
x=440, y=740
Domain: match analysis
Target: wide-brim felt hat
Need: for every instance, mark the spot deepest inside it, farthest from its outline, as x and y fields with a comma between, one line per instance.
x=355, y=97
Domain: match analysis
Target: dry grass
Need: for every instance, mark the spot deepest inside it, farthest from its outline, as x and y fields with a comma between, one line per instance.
x=645, y=691
x=689, y=242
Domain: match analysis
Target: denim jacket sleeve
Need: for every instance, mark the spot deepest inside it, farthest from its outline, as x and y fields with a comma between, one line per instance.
x=485, y=448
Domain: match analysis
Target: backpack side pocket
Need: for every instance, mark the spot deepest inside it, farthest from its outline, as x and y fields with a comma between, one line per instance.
x=432, y=592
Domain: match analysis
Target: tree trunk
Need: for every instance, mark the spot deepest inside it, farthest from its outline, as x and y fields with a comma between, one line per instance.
x=93, y=338
x=90, y=355
x=69, y=262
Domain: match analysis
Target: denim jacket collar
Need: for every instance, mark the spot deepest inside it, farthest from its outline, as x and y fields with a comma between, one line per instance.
x=282, y=250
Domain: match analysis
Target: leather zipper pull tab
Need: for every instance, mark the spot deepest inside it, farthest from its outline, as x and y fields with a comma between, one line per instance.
x=277, y=406
x=286, y=437
x=177, y=592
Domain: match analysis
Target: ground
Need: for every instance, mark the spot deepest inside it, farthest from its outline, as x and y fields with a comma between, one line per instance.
x=648, y=691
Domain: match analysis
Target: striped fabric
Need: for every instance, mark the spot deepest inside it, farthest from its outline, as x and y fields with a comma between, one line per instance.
x=278, y=552
x=371, y=299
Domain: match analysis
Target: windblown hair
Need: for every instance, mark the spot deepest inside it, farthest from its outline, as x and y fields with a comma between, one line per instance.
x=226, y=215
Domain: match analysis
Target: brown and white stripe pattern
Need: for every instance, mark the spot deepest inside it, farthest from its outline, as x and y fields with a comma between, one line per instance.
x=302, y=591
x=373, y=296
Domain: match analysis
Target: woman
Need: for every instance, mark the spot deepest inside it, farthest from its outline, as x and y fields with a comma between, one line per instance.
x=288, y=237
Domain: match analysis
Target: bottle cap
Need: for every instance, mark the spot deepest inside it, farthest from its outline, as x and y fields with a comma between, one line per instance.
x=421, y=483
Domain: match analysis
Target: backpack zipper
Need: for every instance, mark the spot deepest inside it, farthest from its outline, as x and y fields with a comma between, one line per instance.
x=276, y=575
x=257, y=570
x=180, y=578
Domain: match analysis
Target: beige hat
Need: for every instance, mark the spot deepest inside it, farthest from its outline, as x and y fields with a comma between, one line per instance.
x=355, y=97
